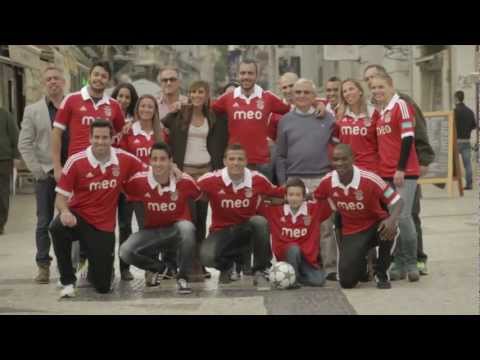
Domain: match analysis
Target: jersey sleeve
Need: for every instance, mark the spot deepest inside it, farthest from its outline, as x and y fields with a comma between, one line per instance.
x=264, y=209
x=336, y=133
x=205, y=183
x=66, y=184
x=64, y=114
x=268, y=189
x=406, y=120
x=133, y=186
x=193, y=190
x=322, y=191
x=323, y=210
x=136, y=165
x=220, y=105
x=118, y=119
x=388, y=196
x=278, y=106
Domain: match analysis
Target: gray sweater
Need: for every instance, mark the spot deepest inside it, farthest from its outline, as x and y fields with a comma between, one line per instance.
x=302, y=145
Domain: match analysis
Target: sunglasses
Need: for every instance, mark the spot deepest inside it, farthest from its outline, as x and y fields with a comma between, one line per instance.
x=169, y=79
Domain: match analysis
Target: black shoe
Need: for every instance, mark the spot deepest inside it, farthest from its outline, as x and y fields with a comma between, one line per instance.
x=170, y=273
x=332, y=276
x=467, y=188
x=365, y=277
x=225, y=277
x=382, y=281
x=294, y=286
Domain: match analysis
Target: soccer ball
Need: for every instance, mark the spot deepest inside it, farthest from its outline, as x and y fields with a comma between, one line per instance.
x=282, y=275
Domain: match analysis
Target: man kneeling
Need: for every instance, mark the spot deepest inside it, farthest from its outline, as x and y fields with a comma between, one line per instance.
x=234, y=194
x=295, y=228
x=358, y=196
x=167, y=219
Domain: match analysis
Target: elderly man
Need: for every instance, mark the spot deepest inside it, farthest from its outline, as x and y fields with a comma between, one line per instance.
x=35, y=146
x=302, y=151
x=170, y=99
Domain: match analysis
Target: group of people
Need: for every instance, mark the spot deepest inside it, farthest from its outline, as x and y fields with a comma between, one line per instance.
x=315, y=182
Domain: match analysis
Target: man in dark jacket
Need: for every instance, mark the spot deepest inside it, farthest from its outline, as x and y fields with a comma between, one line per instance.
x=465, y=123
x=8, y=152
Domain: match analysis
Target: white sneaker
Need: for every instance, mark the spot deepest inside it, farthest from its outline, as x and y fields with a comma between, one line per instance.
x=59, y=285
x=68, y=291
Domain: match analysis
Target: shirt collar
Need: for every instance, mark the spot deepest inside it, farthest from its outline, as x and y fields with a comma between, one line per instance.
x=94, y=162
x=391, y=104
x=137, y=130
x=355, y=180
x=247, y=179
x=309, y=112
x=349, y=113
x=302, y=211
x=153, y=183
x=257, y=92
x=86, y=96
x=182, y=98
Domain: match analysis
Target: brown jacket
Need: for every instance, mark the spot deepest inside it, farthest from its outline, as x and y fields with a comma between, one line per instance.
x=178, y=124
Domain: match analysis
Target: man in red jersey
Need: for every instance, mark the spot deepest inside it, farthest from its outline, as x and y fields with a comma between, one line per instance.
x=357, y=196
x=235, y=193
x=167, y=219
x=87, y=197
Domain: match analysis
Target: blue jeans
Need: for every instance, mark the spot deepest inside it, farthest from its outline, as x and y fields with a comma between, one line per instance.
x=406, y=256
x=305, y=273
x=45, y=197
x=465, y=150
x=142, y=248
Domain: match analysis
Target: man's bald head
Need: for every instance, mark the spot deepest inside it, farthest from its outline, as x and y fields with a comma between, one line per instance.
x=286, y=83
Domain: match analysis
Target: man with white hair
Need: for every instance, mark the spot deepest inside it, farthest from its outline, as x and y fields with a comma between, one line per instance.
x=302, y=151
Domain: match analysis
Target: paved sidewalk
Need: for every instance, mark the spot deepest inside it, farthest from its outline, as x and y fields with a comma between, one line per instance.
x=451, y=241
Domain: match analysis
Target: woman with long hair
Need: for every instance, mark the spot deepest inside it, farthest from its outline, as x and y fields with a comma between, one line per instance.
x=127, y=96
x=356, y=126
x=138, y=141
x=194, y=140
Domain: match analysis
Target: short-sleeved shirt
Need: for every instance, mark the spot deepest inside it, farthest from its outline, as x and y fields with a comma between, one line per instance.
x=248, y=120
x=302, y=229
x=138, y=142
x=361, y=134
x=359, y=203
x=94, y=188
x=393, y=124
x=233, y=205
x=163, y=206
x=78, y=110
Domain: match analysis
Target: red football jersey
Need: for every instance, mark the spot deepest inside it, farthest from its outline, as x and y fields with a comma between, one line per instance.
x=94, y=188
x=248, y=120
x=163, y=206
x=138, y=142
x=302, y=229
x=233, y=205
x=359, y=203
x=394, y=123
x=78, y=110
x=361, y=134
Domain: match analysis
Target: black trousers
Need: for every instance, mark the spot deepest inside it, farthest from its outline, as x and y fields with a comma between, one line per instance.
x=100, y=247
x=125, y=214
x=421, y=255
x=353, y=250
x=6, y=171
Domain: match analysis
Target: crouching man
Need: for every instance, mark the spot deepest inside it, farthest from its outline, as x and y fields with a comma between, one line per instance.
x=167, y=225
x=87, y=197
x=358, y=197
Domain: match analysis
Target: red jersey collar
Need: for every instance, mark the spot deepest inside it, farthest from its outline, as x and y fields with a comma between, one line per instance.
x=247, y=179
x=355, y=180
x=94, y=162
x=154, y=183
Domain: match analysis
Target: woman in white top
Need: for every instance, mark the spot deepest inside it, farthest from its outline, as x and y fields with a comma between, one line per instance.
x=195, y=142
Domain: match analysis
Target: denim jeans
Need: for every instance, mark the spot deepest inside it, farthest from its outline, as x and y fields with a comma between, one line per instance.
x=45, y=197
x=406, y=256
x=305, y=273
x=465, y=150
x=142, y=248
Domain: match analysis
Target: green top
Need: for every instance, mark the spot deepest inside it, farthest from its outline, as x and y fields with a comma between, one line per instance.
x=8, y=137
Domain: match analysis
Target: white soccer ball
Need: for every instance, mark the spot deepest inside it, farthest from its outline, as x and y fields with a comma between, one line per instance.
x=282, y=275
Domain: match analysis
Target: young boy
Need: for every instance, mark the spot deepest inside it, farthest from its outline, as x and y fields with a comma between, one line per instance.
x=295, y=229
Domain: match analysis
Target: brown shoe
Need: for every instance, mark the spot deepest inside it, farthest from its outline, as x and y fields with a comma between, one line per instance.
x=43, y=276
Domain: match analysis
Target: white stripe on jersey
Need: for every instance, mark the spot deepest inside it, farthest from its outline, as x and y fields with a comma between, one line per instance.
x=139, y=175
x=58, y=125
x=407, y=134
x=404, y=109
x=272, y=94
x=71, y=160
x=373, y=177
x=259, y=174
x=63, y=192
x=395, y=199
x=62, y=104
x=216, y=173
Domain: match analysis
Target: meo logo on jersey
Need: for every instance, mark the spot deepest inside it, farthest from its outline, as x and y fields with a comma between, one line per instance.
x=247, y=115
x=103, y=185
x=294, y=233
x=350, y=206
x=235, y=204
x=161, y=207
